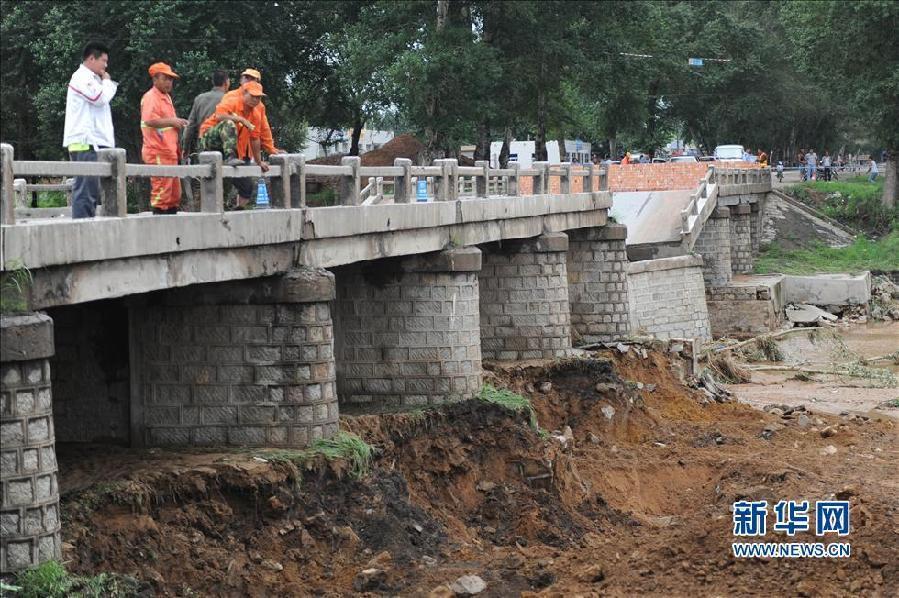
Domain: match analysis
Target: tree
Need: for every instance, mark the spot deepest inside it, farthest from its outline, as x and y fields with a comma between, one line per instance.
x=853, y=47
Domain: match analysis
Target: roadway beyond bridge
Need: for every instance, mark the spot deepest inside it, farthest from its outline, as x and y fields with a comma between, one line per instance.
x=254, y=328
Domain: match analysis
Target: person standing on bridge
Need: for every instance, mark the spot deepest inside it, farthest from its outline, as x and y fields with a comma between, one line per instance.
x=203, y=106
x=160, y=126
x=88, y=124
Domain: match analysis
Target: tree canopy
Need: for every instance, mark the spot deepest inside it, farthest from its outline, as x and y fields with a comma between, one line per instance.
x=776, y=76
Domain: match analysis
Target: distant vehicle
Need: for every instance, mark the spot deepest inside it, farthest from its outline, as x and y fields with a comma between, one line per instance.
x=729, y=152
x=706, y=158
x=684, y=159
x=659, y=160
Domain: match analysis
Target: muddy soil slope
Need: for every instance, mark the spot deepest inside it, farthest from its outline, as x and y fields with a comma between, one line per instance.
x=635, y=500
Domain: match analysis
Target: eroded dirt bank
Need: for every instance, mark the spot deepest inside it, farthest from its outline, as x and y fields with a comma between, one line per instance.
x=635, y=501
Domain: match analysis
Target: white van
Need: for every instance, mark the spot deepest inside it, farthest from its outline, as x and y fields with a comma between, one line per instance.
x=729, y=152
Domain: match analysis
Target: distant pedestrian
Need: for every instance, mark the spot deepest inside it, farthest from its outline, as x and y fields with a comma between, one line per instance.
x=160, y=128
x=872, y=168
x=811, y=165
x=763, y=159
x=88, y=124
x=825, y=163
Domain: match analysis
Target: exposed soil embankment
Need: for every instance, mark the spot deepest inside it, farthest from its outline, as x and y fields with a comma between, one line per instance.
x=623, y=490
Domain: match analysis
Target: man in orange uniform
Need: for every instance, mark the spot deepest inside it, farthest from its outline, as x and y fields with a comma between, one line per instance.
x=265, y=134
x=234, y=129
x=160, y=125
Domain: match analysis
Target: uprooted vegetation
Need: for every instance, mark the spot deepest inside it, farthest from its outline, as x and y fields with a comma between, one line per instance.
x=633, y=498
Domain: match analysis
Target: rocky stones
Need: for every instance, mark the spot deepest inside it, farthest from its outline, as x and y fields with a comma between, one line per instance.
x=370, y=579
x=468, y=585
x=828, y=450
x=485, y=486
x=828, y=431
x=608, y=411
x=803, y=421
x=271, y=565
x=545, y=387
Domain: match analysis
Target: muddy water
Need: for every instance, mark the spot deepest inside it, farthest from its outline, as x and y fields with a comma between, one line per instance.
x=828, y=393
x=872, y=340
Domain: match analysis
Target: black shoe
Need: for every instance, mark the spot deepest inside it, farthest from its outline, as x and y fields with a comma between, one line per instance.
x=166, y=211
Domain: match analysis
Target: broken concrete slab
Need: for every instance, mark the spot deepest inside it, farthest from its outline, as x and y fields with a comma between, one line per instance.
x=828, y=289
x=807, y=314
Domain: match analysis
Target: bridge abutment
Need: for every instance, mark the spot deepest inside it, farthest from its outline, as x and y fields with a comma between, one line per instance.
x=741, y=224
x=713, y=244
x=409, y=330
x=247, y=363
x=597, y=283
x=524, y=308
x=29, y=495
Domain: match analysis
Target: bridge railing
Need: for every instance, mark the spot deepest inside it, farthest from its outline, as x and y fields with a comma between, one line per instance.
x=357, y=184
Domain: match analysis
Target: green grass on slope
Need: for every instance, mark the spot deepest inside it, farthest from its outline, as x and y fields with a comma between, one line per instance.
x=853, y=202
x=863, y=254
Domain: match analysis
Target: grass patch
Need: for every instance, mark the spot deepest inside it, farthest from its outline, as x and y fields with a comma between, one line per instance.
x=51, y=580
x=343, y=445
x=509, y=400
x=854, y=202
x=863, y=254
x=15, y=284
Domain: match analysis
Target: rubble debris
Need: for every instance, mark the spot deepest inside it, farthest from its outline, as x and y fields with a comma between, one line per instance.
x=468, y=585
x=369, y=580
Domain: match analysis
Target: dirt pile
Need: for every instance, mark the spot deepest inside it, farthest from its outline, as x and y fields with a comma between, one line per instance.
x=401, y=146
x=624, y=488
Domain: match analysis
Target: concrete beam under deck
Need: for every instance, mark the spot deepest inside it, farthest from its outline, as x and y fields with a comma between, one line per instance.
x=76, y=262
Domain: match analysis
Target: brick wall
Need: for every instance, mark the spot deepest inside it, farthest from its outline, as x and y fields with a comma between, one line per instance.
x=91, y=379
x=524, y=299
x=407, y=338
x=236, y=374
x=597, y=283
x=667, y=298
x=641, y=177
x=713, y=244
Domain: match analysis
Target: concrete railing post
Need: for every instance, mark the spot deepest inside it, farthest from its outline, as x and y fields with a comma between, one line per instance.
x=588, y=178
x=114, y=188
x=541, y=181
x=402, y=186
x=281, y=190
x=212, y=191
x=514, y=188
x=20, y=187
x=482, y=182
x=604, y=179
x=7, y=192
x=350, y=189
x=448, y=181
x=565, y=179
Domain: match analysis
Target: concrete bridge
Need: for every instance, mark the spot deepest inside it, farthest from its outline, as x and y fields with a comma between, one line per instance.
x=255, y=328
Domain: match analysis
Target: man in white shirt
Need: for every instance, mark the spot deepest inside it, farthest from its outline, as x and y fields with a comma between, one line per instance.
x=88, y=123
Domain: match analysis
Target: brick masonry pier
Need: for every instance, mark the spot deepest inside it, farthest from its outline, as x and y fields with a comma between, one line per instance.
x=241, y=364
x=524, y=299
x=29, y=505
x=408, y=330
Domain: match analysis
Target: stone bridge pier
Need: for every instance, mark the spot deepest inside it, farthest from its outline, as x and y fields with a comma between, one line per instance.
x=524, y=306
x=246, y=363
x=714, y=245
x=29, y=495
x=408, y=330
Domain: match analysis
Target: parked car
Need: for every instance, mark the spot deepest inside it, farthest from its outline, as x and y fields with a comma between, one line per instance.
x=729, y=152
x=706, y=158
x=659, y=160
x=684, y=159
